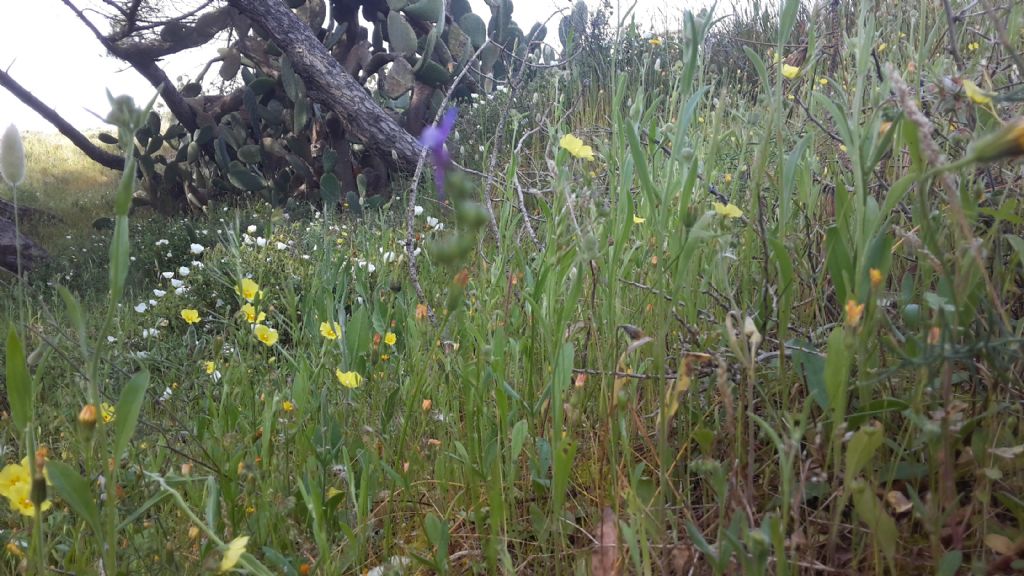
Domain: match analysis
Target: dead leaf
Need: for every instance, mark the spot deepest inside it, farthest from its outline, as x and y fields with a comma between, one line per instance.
x=898, y=502
x=680, y=560
x=605, y=561
x=1010, y=452
x=1000, y=544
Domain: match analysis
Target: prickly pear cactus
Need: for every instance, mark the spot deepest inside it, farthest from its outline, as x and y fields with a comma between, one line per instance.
x=268, y=138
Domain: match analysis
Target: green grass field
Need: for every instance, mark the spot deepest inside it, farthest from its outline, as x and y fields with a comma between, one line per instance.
x=770, y=322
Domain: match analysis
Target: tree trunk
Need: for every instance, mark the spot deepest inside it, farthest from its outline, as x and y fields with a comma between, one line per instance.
x=330, y=85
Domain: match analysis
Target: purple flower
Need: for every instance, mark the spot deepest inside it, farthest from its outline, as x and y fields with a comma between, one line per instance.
x=433, y=138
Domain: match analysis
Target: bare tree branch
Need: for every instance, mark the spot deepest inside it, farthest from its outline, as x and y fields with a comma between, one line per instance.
x=149, y=70
x=94, y=152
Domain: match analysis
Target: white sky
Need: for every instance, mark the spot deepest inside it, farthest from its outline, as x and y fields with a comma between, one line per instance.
x=48, y=51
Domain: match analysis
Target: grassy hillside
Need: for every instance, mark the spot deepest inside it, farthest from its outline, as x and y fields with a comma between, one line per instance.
x=751, y=302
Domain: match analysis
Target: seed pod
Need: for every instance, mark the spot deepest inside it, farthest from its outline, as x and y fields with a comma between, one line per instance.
x=12, y=156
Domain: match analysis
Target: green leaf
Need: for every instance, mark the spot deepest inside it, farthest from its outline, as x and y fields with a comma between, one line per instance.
x=300, y=114
x=475, y=28
x=431, y=73
x=519, y=432
x=289, y=79
x=212, y=509
x=128, y=407
x=839, y=117
x=787, y=18
x=120, y=249
x=74, y=310
x=250, y=153
x=640, y=161
x=837, y=373
x=19, y=385
x=812, y=366
x=762, y=72
x=426, y=10
x=153, y=501
x=950, y=563
x=1018, y=244
x=245, y=179
x=881, y=526
x=401, y=36
x=437, y=533
x=839, y=263
x=788, y=177
x=862, y=447
x=74, y=490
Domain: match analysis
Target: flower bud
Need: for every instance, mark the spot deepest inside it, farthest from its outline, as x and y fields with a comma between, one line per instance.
x=38, y=493
x=1005, y=142
x=12, y=156
x=876, y=278
x=87, y=418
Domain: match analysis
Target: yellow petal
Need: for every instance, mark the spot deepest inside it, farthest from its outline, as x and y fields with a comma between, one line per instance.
x=576, y=147
x=976, y=94
x=638, y=220
x=790, y=72
x=728, y=210
x=234, y=551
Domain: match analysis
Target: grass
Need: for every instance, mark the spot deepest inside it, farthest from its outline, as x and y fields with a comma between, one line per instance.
x=754, y=335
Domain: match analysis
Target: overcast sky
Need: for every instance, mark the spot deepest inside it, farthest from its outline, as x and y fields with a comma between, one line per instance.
x=47, y=50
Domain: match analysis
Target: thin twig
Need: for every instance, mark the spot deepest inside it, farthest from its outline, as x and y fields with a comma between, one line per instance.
x=951, y=18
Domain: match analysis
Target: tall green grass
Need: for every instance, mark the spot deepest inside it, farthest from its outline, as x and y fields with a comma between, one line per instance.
x=753, y=337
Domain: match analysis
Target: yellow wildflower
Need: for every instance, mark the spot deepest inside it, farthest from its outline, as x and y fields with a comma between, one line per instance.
x=576, y=147
x=790, y=72
x=287, y=406
x=265, y=334
x=348, y=379
x=330, y=330
x=251, y=316
x=12, y=476
x=390, y=338
x=823, y=81
x=190, y=315
x=729, y=210
x=654, y=41
x=854, y=312
x=882, y=47
x=977, y=95
x=728, y=178
x=20, y=498
x=108, y=412
x=248, y=289
x=638, y=220
x=210, y=367
x=233, y=553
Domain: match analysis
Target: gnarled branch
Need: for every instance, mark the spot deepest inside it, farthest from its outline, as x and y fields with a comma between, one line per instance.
x=330, y=85
x=94, y=152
